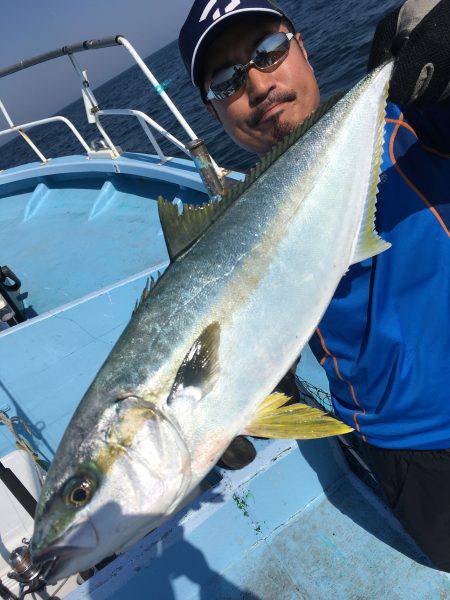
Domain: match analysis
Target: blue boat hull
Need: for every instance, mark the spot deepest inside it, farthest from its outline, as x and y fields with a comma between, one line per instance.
x=83, y=236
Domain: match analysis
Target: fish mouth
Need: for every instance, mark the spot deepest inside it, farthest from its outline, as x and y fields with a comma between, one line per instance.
x=80, y=540
x=60, y=568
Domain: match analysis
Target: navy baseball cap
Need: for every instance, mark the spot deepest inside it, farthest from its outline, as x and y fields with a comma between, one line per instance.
x=204, y=21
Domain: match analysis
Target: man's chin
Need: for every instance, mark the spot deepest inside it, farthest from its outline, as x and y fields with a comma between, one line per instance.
x=282, y=128
x=279, y=129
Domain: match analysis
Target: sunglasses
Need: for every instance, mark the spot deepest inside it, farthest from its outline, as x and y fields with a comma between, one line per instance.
x=267, y=54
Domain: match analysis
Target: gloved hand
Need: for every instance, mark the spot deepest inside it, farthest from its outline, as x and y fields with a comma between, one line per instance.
x=241, y=451
x=418, y=35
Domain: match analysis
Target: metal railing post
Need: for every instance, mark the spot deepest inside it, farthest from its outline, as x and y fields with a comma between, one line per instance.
x=105, y=136
x=85, y=88
x=70, y=125
x=141, y=116
x=152, y=139
x=160, y=90
x=203, y=162
x=158, y=87
x=23, y=134
x=84, y=82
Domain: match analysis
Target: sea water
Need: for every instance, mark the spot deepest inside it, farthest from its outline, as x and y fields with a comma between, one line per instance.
x=337, y=35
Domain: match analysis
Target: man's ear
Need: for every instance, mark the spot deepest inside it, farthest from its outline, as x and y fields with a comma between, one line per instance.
x=298, y=37
x=212, y=111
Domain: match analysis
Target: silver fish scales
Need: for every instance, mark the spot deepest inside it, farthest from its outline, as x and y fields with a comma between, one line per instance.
x=221, y=327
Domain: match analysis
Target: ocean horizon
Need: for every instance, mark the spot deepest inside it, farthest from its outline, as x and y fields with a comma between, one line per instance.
x=337, y=37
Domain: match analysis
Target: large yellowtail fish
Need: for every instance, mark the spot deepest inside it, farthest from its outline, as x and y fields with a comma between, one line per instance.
x=197, y=362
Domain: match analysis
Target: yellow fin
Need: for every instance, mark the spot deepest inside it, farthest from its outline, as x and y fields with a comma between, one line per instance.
x=369, y=243
x=296, y=421
x=182, y=230
x=149, y=285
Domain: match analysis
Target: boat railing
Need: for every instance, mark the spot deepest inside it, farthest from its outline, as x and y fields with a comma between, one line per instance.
x=24, y=126
x=209, y=171
x=145, y=121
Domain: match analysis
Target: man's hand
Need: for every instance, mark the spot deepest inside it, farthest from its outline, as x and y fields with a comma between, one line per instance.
x=418, y=35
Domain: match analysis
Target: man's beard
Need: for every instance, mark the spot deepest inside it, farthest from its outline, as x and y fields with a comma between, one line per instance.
x=276, y=98
x=281, y=129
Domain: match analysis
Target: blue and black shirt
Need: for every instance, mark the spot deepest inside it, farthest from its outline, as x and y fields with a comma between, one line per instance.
x=384, y=341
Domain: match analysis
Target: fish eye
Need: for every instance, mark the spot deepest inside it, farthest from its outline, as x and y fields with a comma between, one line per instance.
x=78, y=491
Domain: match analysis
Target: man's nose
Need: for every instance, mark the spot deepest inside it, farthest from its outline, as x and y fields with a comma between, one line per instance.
x=259, y=85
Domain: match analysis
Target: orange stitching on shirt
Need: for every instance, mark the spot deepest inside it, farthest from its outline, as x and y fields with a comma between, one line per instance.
x=403, y=123
x=424, y=146
x=408, y=181
x=352, y=391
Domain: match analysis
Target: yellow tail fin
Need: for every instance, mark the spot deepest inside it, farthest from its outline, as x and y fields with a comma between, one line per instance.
x=295, y=421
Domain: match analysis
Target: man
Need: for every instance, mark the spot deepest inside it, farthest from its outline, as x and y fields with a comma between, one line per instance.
x=385, y=338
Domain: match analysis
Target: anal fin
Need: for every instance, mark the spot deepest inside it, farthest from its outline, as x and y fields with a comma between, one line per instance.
x=146, y=292
x=295, y=421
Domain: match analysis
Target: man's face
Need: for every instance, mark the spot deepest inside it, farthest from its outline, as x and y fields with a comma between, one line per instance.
x=271, y=103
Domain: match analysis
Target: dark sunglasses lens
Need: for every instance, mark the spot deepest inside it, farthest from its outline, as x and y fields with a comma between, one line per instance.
x=271, y=50
x=227, y=81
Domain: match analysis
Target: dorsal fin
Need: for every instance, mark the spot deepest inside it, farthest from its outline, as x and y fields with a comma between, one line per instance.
x=182, y=230
x=149, y=285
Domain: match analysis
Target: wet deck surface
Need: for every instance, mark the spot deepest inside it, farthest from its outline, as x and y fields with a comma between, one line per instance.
x=278, y=535
x=293, y=524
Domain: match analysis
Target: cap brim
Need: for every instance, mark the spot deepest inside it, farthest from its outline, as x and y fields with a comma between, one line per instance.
x=217, y=26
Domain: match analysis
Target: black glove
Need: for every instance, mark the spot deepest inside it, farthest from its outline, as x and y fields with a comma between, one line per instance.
x=240, y=453
x=418, y=35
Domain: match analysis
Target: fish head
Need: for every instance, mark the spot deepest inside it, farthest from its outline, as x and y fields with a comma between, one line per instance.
x=109, y=487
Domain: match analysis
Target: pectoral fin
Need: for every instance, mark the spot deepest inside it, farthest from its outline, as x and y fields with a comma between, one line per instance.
x=295, y=421
x=199, y=371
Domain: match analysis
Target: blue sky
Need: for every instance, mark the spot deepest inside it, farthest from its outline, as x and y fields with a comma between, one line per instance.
x=30, y=27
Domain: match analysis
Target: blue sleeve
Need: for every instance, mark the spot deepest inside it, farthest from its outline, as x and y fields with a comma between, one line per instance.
x=432, y=125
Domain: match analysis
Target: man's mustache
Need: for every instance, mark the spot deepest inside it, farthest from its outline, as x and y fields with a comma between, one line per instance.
x=270, y=101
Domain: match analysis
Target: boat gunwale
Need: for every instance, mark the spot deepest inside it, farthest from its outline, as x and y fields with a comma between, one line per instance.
x=173, y=171
x=86, y=298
